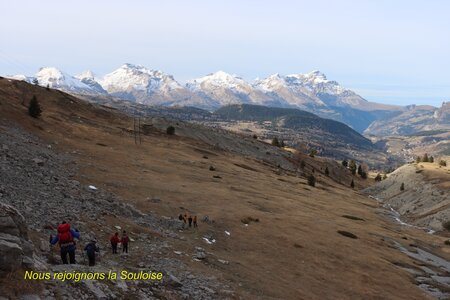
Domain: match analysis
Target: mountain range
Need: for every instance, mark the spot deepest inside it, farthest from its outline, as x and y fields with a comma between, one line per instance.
x=311, y=92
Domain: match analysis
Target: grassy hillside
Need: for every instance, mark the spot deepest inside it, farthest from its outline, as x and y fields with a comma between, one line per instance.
x=297, y=243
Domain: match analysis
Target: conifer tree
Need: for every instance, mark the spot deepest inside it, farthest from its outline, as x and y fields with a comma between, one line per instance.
x=34, y=109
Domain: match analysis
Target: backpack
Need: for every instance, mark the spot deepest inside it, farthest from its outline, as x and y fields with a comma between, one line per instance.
x=125, y=240
x=64, y=234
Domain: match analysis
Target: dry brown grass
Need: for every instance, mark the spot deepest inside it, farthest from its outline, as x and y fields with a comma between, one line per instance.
x=294, y=252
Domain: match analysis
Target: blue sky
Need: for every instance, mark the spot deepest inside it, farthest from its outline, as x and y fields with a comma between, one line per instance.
x=388, y=51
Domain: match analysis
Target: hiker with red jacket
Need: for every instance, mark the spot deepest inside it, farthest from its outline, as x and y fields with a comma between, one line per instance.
x=125, y=239
x=65, y=238
x=114, y=241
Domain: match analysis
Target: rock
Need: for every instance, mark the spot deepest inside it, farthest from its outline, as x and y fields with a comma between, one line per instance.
x=200, y=255
x=15, y=248
x=11, y=256
x=225, y=262
x=172, y=281
x=155, y=200
x=141, y=264
x=38, y=161
x=30, y=297
x=44, y=246
x=207, y=289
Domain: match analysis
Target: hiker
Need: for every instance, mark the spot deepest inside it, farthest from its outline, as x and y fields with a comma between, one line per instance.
x=90, y=249
x=195, y=221
x=124, y=240
x=114, y=241
x=184, y=220
x=65, y=238
x=190, y=221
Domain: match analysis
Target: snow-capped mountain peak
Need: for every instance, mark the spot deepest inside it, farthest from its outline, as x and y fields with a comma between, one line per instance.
x=88, y=74
x=57, y=79
x=138, y=83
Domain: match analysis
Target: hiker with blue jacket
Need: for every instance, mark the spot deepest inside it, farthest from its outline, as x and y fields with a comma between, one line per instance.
x=65, y=238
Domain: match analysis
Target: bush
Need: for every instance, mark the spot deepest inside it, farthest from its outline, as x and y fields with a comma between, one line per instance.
x=345, y=163
x=34, y=109
x=255, y=137
x=431, y=159
x=402, y=187
x=442, y=163
x=327, y=172
x=352, y=184
x=275, y=142
x=311, y=180
x=378, y=177
x=363, y=175
x=446, y=225
x=352, y=167
x=313, y=153
x=170, y=130
x=248, y=220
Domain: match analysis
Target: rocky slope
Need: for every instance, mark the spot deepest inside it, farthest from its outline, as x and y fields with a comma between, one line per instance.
x=425, y=201
x=40, y=183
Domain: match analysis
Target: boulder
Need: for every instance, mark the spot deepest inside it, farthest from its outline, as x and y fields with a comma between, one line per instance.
x=16, y=250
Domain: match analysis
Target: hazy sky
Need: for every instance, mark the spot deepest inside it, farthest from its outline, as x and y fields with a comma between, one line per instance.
x=388, y=51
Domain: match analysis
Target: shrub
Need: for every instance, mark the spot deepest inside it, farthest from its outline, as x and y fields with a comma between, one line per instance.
x=327, y=172
x=352, y=184
x=446, y=225
x=378, y=177
x=431, y=159
x=425, y=158
x=311, y=180
x=313, y=153
x=275, y=142
x=170, y=130
x=352, y=167
x=363, y=175
x=442, y=163
x=384, y=176
x=402, y=187
x=34, y=109
x=248, y=220
x=255, y=137
x=418, y=159
x=345, y=163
